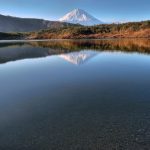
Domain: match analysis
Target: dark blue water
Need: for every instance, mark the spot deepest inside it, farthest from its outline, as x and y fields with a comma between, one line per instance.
x=74, y=97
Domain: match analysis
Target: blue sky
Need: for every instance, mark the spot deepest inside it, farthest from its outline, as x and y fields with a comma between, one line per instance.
x=105, y=10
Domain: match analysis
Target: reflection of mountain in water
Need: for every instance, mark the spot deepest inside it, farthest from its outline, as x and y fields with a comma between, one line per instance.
x=79, y=58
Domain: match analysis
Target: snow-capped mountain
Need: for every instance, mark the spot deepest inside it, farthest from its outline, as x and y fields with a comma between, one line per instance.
x=79, y=58
x=79, y=16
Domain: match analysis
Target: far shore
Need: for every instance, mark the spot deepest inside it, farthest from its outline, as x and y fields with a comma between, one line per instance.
x=102, y=31
x=85, y=39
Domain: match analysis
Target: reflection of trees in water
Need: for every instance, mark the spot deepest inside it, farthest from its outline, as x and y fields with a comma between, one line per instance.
x=125, y=45
x=11, y=44
x=16, y=51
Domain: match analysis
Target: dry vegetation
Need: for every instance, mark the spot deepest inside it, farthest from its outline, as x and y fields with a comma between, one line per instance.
x=126, y=30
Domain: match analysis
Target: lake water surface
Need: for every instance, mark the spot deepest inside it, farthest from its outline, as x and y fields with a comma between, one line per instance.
x=75, y=95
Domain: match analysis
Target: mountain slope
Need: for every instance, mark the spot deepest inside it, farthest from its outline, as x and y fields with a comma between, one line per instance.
x=15, y=24
x=79, y=16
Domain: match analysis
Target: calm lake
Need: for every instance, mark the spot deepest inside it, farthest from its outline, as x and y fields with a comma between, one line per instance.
x=75, y=95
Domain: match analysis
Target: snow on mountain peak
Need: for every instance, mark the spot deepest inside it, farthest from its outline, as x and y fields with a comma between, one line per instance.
x=79, y=16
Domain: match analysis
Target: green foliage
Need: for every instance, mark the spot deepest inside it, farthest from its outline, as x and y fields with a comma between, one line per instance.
x=7, y=36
